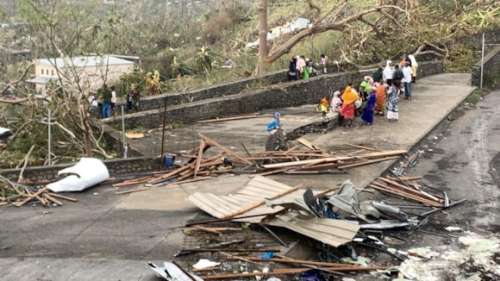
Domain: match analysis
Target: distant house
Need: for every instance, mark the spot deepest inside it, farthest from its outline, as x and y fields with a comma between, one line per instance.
x=90, y=72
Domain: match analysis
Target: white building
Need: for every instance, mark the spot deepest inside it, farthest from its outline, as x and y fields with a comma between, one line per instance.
x=90, y=72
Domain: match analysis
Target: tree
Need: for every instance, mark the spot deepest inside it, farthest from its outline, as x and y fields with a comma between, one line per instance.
x=338, y=18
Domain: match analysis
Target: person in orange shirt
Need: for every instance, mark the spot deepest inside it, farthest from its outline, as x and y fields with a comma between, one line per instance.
x=348, y=110
x=380, y=94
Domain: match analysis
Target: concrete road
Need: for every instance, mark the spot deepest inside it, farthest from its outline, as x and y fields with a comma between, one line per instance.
x=110, y=237
x=463, y=158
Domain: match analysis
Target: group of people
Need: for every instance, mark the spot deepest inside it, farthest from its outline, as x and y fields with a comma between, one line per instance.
x=376, y=95
x=103, y=104
x=301, y=67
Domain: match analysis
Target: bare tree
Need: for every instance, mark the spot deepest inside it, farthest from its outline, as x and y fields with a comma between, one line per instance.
x=337, y=18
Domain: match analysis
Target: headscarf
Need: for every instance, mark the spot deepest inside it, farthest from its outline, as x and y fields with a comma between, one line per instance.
x=413, y=60
x=349, y=96
x=335, y=101
x=276, y=123
x=388, y=72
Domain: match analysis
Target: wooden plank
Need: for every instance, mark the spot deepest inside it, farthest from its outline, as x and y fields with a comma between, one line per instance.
x=410, y=190
x=199, y=157
x=384, y=188
x=368, y=162
x=229, y=152
x=334, y=159
x=307, y=144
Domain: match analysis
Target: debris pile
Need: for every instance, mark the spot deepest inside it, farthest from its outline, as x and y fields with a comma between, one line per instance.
x=340, y=218
x=18, y=195
x=295, y=160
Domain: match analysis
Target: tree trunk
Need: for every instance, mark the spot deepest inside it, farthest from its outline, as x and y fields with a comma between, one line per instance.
x=263, y=29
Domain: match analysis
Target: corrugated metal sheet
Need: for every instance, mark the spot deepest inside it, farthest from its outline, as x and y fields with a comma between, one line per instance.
x=329, y=231
x=258, y=189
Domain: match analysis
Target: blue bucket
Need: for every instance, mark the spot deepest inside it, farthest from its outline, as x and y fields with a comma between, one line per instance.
x=168, y=160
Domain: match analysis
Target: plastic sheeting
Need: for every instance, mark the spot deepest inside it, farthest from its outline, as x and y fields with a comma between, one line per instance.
x=84, y=174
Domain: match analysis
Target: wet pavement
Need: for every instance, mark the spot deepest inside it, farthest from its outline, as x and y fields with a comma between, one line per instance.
x=103, y=237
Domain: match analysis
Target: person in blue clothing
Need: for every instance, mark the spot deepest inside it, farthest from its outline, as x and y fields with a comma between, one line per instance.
x=275, y=124
x=277, y=139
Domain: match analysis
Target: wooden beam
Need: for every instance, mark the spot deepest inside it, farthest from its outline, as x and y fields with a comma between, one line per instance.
x=199, y=157
x=229, y=152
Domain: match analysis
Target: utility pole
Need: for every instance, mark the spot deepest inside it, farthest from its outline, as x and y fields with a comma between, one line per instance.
x=124, y=136
x=482, y=63
x=163, y=129
x=49, y=131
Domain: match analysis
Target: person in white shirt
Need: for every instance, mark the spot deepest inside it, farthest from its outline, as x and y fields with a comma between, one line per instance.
x=301, y=63
x=407, y=77
x=113, y=99
x=388, y=73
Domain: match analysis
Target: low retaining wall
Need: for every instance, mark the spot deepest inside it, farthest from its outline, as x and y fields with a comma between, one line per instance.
x=491, y=72
x=273, y=97
x=156, y=102
x=118, y=167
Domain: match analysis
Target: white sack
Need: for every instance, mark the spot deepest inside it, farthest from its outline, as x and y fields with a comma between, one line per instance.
x=84, y=174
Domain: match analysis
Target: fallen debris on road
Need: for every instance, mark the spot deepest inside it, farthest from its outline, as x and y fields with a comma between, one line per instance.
x=18, y=195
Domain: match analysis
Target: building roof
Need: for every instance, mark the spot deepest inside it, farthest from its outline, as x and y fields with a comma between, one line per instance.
x=39, y=80
x=85, y=61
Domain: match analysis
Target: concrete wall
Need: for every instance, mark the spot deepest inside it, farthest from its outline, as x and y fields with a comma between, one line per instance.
x=491, y=75
x=275, y=96
x=119, y=167
x=172, y=99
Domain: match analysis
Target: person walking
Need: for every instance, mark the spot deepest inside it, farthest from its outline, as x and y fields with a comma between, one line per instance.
x=365, y=88
x=398, y=75
x=105, y=96
x=322, y=62
x=407, y=77
x=114, y=100
x=378, y=75
x=348, y=109
x=388, y=73
x=292, y=70
x=393, y=101
x=414, y=68
x=300, y=64
x=136, y=99
x=380, y=103
x=369, y=110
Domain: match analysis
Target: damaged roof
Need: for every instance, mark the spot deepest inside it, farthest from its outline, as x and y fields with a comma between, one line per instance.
x=329, y=231
x=249, y=201
x=257, y=190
